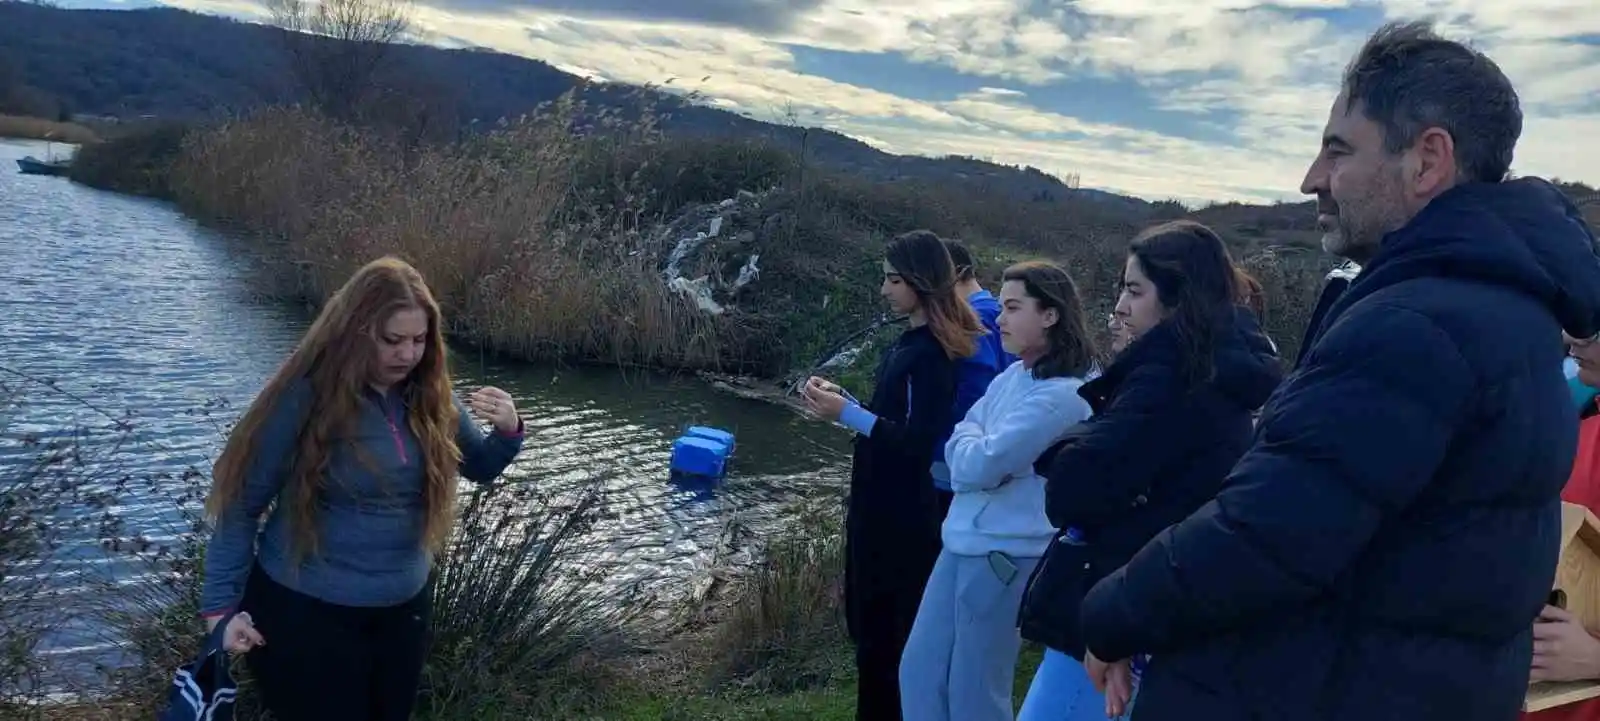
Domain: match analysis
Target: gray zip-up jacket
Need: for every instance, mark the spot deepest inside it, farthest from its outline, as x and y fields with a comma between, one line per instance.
x=370, y=520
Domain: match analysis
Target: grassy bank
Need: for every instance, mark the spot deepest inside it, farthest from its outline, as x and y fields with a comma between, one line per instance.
x=547, y=237
x=29, y=128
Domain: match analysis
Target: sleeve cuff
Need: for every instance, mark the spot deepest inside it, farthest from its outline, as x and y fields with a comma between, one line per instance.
x=208, y=615
x=513, y=434
x=858, y=419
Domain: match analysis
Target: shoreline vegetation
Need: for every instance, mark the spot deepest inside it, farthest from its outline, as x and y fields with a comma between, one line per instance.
x=23, y=127
x=561, y=235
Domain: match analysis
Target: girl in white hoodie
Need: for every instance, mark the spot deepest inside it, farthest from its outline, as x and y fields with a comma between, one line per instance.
x=961, y=658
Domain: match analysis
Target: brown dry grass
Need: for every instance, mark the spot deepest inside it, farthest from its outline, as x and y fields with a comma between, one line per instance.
x=26, y=128
x=491, y=223
x=541, y=237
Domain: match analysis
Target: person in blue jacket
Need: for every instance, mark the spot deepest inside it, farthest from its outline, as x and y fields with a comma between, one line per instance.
x=1383, y=549
x=977, y=372
x=1171, y=415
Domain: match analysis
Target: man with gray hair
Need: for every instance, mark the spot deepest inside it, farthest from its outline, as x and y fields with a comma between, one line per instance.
x=1384, y=548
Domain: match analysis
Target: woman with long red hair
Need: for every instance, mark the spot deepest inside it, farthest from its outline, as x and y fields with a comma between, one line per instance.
x=351, y=452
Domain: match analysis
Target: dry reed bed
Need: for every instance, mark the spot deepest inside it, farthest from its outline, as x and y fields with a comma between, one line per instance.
x=541, y=240
x=27, y=128
x=493, y=223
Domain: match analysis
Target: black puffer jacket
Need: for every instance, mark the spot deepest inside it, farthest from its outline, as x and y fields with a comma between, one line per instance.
x=1381, y=551
x=1155, y=450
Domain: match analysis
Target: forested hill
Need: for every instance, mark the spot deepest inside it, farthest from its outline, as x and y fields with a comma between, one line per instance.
x=172, y=63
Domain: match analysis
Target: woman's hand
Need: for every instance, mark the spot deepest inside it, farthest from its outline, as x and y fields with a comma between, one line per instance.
x=823, y=398
x=1113, y=680
x=824, y=384
x=1562, y=649
x=240, y=636
x=1097, y=671
x=497, y=407
x=1119, y=688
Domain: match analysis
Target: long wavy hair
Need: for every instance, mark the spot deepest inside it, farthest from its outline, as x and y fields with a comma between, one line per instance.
x=336, y=357
x=1251, y=294
x=1196, y=281
x=923, y=262
x=1071, y=352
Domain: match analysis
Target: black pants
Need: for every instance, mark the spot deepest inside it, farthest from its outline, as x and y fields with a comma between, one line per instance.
x=886, y=571
x=324, y=662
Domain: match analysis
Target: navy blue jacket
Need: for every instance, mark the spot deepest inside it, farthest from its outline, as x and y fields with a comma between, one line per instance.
x=1338, y=280
x=1383, y=548
x=975, y=374
x=1156, y=449
x=893, y=514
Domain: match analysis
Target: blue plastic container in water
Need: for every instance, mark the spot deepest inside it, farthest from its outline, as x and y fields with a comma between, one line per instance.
x=711, y=434
x=699, y=457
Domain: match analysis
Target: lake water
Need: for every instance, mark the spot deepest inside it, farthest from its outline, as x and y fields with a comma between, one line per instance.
x=133, y=309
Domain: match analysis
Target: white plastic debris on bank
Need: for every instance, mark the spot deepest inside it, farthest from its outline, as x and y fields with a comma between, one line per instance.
x=698, y=289
x=750, y=271
x=703, y=289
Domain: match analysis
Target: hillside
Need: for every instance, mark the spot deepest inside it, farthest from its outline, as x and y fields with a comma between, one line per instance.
x=177, y=64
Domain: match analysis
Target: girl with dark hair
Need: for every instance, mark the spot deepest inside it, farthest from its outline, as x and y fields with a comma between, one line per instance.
x=961, y=658
x=1172, y=414
x=892, y=521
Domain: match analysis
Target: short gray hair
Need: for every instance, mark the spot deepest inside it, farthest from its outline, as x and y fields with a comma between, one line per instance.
x=1408, y=79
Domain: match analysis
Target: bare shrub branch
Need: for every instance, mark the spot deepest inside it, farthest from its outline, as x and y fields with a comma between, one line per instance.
x=338, y=48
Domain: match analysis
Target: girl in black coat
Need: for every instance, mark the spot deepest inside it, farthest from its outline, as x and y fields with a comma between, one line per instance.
x=1172, y=414
x=892, y=521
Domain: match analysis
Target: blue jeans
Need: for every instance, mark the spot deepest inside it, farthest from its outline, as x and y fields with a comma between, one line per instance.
x=1061, y=691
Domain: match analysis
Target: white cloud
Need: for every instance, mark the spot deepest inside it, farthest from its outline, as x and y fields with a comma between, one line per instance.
x=1244, y=69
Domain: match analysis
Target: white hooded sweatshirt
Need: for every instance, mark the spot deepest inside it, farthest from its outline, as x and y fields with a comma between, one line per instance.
x=999, y=499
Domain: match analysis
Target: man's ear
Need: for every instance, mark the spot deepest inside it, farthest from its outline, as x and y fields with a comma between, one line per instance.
x=1433, y=168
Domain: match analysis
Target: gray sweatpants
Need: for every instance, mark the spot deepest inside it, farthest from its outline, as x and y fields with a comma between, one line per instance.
x=961, y=659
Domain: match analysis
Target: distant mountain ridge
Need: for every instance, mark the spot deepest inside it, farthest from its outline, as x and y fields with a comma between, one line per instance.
x=175, y=63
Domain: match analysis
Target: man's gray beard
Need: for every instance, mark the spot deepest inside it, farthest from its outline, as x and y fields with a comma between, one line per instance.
x=1335, y=242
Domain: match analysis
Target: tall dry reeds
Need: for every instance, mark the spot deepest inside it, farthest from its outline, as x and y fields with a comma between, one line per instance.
x=497, y=223
x=543, y=236
x=28, y=128
x=783, y=629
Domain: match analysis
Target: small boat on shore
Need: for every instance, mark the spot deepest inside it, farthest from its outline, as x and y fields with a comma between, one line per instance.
x=34, y=166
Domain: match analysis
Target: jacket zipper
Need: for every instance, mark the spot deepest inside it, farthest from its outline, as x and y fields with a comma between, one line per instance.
x=394, y=432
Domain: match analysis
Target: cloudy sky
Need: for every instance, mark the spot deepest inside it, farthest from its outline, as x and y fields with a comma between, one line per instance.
x=1191, y=99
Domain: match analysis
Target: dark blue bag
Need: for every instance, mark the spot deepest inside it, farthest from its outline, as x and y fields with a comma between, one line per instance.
x=204, y=689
